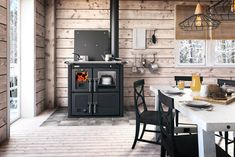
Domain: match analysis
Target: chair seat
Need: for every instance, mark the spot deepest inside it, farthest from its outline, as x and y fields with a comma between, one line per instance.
x=150, y=117
x=187, y=146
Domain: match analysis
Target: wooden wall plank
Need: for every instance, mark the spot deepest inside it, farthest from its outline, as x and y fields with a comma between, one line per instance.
x=82, y=14
x=40, y=31
x=40, y=74
x=62, y=92
x=3, y=47
x=40, y=107
x=3, y=117
x=123, y=14
x=123, y=33
x=3, y=15
x=74, y=4
x=50, y=53
x=3, y=133
x=3, y=32
x=40, y=56
x=146, y=5
x=40, y=85
x=3, y=100
x=104, y=4
x=3, y=3
x=40, y=8
x=40, y=52
x=40, y=19
x=148, y=24
x=124, y=24
x=82, y=24
x=123, y=43
x=40, y=63
x=62, y=82
x=3, y=66
x=40, y=96
x=40, y=41
x=3, y=83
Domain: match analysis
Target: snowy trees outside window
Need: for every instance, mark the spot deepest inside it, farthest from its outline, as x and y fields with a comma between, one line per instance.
x=191, y=52
x=225, y=52
x=205, y=53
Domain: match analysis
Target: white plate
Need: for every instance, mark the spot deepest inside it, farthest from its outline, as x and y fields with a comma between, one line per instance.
x=173, y=92
x=197, y=104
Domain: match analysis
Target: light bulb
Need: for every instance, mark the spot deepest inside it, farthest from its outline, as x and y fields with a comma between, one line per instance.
x=233, y=6
x=198, y=21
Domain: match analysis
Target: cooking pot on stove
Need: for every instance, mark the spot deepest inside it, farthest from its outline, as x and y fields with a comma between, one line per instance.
x=106, y=80
x=83, y=58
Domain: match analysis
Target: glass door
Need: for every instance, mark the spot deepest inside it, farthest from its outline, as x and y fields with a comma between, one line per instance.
x=81, y=79
x=14, y=59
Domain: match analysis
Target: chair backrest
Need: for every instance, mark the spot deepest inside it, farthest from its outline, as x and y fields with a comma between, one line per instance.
x=166, y=108
x=139, y=99
x=185, y=78
x=221, y=82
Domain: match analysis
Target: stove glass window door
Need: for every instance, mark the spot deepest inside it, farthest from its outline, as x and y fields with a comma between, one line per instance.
x=106, y=80
x=81, y=80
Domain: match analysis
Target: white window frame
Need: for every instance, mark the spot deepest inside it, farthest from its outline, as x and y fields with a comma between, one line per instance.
x=177, y=57
x=209, y=58
x=213, y=42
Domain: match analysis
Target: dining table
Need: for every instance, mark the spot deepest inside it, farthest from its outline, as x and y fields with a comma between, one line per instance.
x=220, y=118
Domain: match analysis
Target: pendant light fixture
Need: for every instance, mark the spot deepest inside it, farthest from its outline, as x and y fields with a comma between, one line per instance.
x=199, y=21
x=224, y=10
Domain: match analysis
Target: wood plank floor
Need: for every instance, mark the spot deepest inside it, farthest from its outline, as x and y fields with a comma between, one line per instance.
x=28, y=139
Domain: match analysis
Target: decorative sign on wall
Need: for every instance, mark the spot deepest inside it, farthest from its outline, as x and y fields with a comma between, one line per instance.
x=139, y=38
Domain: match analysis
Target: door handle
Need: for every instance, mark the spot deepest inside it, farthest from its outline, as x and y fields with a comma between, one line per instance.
x=89, y=107
x=76, y=66
x=89, y=82
x=95, y=85
x=95, y=104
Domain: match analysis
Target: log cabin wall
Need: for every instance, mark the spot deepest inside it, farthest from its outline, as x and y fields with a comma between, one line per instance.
x=40, y=56
x=94, y=14
x=3, y=70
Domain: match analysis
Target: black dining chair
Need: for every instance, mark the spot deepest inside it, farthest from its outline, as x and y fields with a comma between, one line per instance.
x=143, y=115
x=183, y=78
x=177, y=145
x=227, y=141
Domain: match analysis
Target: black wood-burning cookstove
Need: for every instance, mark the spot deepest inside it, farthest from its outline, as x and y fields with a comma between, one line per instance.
x=95, y=88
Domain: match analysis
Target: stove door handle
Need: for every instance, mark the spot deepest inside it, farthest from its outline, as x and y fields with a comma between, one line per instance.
x=95, y=81
x=89, y=81
x=89, y=107
x=95, y=104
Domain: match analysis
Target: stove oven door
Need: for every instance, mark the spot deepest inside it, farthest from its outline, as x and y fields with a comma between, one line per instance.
x=106, y=104
x=81, y=104
x=81, y=79
x=106, y=79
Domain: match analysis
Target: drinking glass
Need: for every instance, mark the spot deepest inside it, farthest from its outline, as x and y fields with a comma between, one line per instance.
x=181, y=85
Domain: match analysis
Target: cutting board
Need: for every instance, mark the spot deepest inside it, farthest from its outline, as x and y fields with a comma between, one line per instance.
x=225, y=102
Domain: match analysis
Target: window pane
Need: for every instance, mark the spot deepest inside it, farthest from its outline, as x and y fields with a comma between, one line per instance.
x=191, y=52
x=225, y=52
x=14, y=59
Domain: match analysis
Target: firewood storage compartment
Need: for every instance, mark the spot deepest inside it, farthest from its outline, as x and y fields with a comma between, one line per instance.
x=95, y=89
